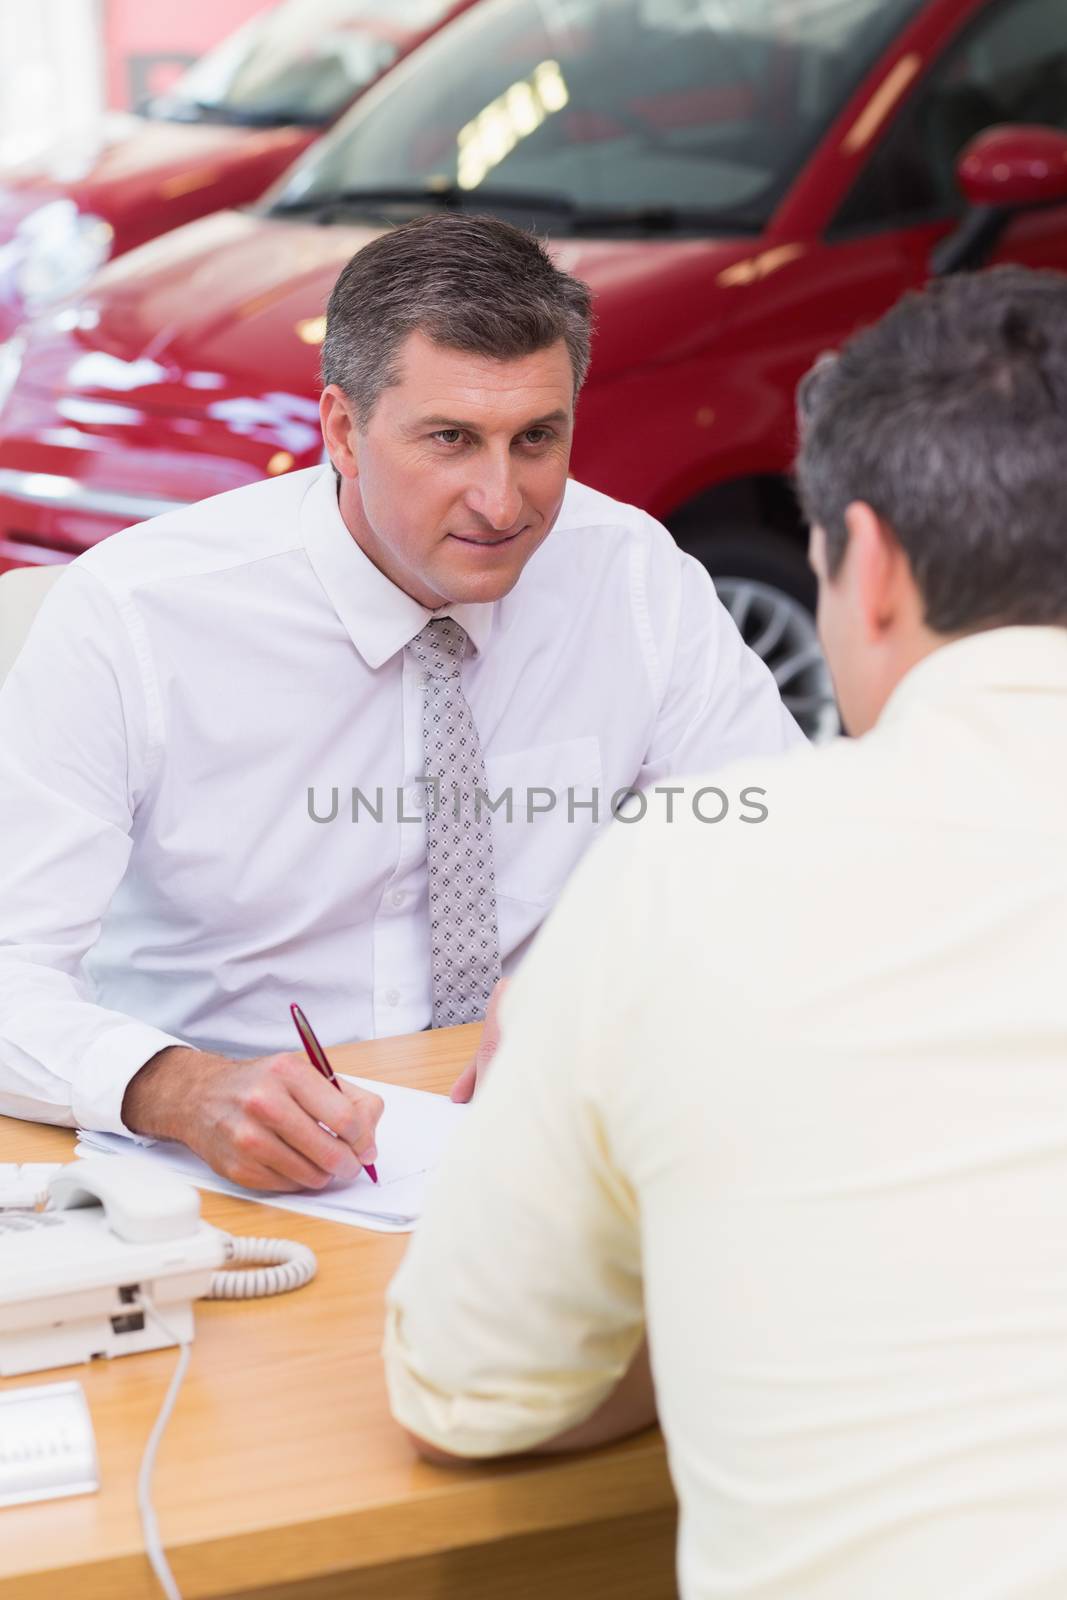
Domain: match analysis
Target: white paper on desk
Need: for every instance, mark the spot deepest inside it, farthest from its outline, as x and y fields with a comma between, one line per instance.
x=411, y=1139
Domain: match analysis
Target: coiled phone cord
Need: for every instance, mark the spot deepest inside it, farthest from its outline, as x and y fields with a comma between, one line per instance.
x=288, y=1266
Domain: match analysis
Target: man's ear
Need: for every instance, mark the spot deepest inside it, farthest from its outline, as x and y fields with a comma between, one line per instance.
x=339, y=430
x=877, y=565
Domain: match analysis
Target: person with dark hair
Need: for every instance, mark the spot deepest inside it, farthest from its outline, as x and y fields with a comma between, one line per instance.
x=946, y=423
x=776, y=1133
x=343, y=735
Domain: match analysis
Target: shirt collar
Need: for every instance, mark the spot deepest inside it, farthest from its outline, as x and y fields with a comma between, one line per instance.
x=378, y=617
x=1012, y=659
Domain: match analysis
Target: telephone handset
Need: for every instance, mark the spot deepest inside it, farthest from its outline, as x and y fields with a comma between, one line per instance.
x=117, y=1240
x=140, y=1203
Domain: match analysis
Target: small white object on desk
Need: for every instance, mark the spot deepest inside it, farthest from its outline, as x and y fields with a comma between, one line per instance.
x=47, y=1447
x=23, y=1184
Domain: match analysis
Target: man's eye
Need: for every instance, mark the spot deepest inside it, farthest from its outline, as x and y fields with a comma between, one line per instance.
x=536, y=435
x=449, y=435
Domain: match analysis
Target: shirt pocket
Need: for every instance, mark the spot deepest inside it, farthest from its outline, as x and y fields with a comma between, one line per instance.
x=548, y=807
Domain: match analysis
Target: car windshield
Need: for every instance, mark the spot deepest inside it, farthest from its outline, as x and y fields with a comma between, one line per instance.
x=302, y=61
x=657, y=112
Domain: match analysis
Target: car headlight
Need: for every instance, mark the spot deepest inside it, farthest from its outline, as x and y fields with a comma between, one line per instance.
x=61, y=248
x=10, y=366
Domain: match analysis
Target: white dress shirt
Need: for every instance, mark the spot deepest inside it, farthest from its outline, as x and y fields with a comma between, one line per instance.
x=186, y=684
x=797, y=1094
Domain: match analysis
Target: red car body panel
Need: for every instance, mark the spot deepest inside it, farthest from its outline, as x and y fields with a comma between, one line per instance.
x=192, y=366
x=146, y=177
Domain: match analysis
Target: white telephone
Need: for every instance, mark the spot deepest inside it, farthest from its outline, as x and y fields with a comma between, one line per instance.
x=71, y=1276
x=111, y=1265
x=118, y=1238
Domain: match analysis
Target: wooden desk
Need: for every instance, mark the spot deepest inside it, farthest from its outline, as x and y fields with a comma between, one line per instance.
x=281, y=1474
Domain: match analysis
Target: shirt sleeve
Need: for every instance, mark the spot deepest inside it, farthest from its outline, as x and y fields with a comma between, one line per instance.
x=74, y=748
x=519, y=1304
x=718, y=700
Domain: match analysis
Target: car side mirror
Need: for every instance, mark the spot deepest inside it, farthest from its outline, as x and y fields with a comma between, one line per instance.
x=1005, y=170
x=1002, y=171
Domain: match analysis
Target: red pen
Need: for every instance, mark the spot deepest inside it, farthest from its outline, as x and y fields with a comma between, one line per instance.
x=317, y=1056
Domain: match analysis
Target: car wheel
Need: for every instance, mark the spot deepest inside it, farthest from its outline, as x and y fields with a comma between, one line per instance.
x=769, y=590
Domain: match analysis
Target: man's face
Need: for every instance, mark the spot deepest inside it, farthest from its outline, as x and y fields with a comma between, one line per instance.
x=460, y=472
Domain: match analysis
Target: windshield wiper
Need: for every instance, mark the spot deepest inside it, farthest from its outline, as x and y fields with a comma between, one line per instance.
x=176, y=110
x=580, y=218
x=447, y=195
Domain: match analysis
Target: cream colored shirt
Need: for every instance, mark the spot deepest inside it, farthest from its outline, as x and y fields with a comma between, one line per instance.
x=797, y=1092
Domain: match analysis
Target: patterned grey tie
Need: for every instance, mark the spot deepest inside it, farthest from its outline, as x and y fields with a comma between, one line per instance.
x=464, y=942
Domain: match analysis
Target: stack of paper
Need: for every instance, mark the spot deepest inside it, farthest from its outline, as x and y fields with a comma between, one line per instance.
x=411, y=1138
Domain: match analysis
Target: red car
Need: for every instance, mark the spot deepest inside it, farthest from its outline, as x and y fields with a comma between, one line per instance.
x=742, y=185
x=229, y=127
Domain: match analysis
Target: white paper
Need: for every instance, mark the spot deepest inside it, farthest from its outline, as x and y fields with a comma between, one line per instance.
x=411, y=1138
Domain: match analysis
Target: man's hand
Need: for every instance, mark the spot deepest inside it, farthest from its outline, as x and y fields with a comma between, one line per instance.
x=255, y=1122
x=472, y=1074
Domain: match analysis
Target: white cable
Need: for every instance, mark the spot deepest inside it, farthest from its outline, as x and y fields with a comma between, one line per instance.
x=152, y=1542
x=290, y=1266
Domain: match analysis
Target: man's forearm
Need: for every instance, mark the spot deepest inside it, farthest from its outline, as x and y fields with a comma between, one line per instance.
x=154, y=1095
x=629, y=1408
x=63, y=1058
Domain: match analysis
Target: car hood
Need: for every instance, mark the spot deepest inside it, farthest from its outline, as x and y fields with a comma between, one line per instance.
x=234, y=305
x=133, y=162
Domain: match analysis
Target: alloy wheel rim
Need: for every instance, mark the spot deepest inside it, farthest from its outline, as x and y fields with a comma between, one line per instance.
x=781, y=631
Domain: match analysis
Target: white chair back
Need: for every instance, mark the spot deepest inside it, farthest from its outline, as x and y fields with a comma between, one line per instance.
x=21, y=593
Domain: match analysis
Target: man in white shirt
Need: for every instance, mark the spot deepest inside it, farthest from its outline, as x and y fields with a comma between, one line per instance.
x=795, y=1102
x=216, y=742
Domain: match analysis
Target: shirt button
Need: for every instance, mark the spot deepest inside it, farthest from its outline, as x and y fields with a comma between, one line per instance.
x=398, y=897
x=416, y=799
x=393, y=997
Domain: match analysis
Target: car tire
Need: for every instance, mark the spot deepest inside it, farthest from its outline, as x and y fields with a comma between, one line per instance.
x=767, y=586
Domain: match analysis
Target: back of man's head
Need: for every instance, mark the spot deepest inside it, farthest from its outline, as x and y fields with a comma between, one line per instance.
x=470, y=283
x=949, y=419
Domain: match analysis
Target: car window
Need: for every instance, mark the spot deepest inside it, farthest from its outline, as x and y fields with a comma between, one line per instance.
x=1009, y=66
x=302, y=61
x=701, y=104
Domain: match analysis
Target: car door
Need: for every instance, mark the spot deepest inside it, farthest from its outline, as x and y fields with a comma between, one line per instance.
x=1007, y=64
x=999, y=62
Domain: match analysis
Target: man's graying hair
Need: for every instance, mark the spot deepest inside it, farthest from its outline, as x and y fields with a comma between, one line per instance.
x=470, y=283
x=949, y=418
